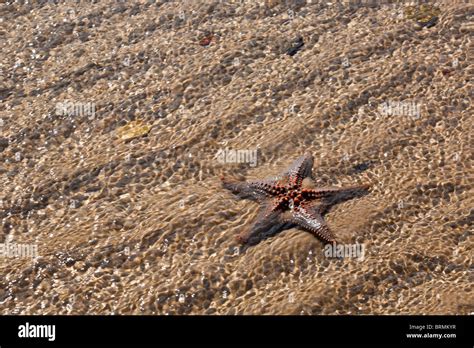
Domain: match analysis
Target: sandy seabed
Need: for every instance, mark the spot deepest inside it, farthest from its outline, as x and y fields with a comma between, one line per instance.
x=144, y=226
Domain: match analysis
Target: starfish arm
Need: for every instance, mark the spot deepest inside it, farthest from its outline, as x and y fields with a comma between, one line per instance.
x=268, y=222
x=255, y=190
x=331, y=196
x=312, y=221
x=300, y=169
x=328, y=192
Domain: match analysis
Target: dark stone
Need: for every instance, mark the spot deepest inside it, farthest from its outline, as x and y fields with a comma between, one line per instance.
x=432, y=22
x=359, y=168
x=296, y=46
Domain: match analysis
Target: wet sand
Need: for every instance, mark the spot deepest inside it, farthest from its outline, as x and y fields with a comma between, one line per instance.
x=143, y=226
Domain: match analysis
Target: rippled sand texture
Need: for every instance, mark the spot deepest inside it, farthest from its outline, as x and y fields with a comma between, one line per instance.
x=144, y=226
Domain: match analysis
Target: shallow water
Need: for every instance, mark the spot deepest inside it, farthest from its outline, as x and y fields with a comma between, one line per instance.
x=144, y=226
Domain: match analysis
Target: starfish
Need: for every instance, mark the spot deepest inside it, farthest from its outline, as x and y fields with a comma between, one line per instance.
x=289, y=200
